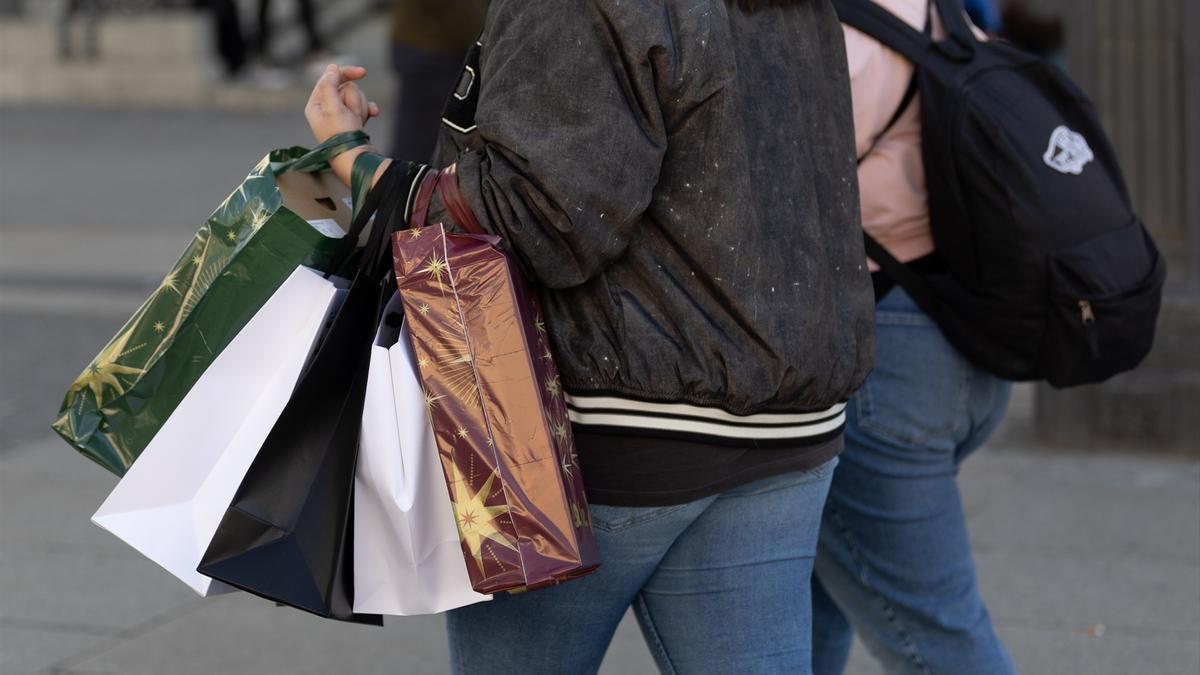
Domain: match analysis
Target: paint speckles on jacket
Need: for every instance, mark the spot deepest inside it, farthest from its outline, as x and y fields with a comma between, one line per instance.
x=679, y=177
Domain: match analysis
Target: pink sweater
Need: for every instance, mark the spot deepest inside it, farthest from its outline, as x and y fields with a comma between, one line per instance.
x=891, y=179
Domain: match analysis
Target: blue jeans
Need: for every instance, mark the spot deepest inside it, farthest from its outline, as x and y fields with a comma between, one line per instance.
x=894, y=559
x=712, y=582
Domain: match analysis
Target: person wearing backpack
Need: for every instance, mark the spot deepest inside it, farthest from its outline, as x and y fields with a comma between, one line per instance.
x=685, y=200
x=893, y=559
x=1005, y=247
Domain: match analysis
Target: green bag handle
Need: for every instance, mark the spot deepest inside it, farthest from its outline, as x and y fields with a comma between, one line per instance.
x=319, y=157
x=361, y=176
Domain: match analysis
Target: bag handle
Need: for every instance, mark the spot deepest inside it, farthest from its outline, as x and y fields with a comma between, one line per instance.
x=377, y=258
x=319, y=157
x=362, y=175
x=445, y=183
x=364, y=208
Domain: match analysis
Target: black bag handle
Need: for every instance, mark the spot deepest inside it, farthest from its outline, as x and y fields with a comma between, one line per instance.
x=363, y=216
x=382, y=202
x=378, y=251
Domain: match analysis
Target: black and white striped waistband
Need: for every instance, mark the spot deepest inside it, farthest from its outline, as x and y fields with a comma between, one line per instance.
x=622, y=415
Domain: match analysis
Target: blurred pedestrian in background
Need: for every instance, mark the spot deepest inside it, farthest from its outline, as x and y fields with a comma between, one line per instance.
x=894, y=559
x=315, y=45
x=429, y=42
x=227, y=31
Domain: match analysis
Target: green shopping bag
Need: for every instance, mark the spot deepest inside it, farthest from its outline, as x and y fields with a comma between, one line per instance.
x=290, y=211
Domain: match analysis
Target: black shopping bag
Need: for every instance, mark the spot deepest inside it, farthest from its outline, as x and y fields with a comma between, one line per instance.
x=286, y=536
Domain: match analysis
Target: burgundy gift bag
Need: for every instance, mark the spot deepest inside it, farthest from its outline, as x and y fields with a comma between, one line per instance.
x=497, y=408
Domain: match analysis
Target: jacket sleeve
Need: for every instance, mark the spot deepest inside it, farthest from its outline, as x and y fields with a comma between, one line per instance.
x=570, y=136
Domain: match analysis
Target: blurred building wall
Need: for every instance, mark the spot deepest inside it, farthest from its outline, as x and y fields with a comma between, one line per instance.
x=1140, y=63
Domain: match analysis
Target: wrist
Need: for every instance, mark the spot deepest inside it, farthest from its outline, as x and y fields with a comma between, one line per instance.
x=343, y=164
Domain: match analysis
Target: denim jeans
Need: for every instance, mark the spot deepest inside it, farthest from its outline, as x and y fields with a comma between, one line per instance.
x=712, y=582
x=894, y=559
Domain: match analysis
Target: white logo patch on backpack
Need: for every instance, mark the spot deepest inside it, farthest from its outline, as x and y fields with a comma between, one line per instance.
x=1068, y=152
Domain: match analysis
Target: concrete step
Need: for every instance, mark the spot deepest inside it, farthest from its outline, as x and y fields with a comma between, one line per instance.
x=155, y=59
x=160, y=59
x=152, y=39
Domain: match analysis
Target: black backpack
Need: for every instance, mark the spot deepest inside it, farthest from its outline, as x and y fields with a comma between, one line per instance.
x=1049, y=273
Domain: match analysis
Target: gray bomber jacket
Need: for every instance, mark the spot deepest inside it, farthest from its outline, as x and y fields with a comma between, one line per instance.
x=679, y=177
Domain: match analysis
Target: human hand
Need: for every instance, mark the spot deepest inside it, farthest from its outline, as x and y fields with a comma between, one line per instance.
x=337, y=104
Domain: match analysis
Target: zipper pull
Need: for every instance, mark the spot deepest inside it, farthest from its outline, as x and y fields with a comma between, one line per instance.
x=1088, y=316
x=1085, y=312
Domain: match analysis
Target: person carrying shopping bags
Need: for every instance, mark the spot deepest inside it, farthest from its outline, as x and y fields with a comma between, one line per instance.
x=677, y=176
x=894, y=559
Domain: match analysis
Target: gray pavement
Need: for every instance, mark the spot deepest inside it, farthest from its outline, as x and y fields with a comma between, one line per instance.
x=1090, y=563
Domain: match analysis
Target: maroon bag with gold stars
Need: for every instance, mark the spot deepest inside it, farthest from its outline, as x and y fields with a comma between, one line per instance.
x=497, y=409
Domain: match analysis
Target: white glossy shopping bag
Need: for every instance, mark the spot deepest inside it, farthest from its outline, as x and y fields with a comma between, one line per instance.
x=407, y=556
x=169, y=503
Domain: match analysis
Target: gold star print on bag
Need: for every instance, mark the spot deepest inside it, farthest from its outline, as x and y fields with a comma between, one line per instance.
x=244, y=252
x=498, y=411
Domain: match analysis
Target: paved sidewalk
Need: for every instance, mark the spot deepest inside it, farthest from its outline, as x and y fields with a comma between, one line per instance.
x=1090, y=563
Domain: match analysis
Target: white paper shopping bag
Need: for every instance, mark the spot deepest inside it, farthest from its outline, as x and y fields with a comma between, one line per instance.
x=171, y=500
x=407, y=555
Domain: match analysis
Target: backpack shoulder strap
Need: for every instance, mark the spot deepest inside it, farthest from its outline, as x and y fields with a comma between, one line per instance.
x=909, y=95
x=954, y=19
x=885, y=27
x=918, y=289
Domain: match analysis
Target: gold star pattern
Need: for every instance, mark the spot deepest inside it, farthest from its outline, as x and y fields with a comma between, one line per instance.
x=455, y=362
x=476, y=520
x=414, y=233
x=552, y=386
x=424, y=309
x=561, y=431
x=160, y=327
x=259, y=218
x=422, y=363
x=105, y=371
x=231, y=236
x=435, y=268
x=581, y=516
x=462, y=433
x=547, y=356
x=197, y=260
x=566, y=466
x=431, y=400
x=539, y=324
x=169, y=283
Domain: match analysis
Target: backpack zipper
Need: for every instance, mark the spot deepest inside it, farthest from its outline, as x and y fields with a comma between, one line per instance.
x=1087, y=316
